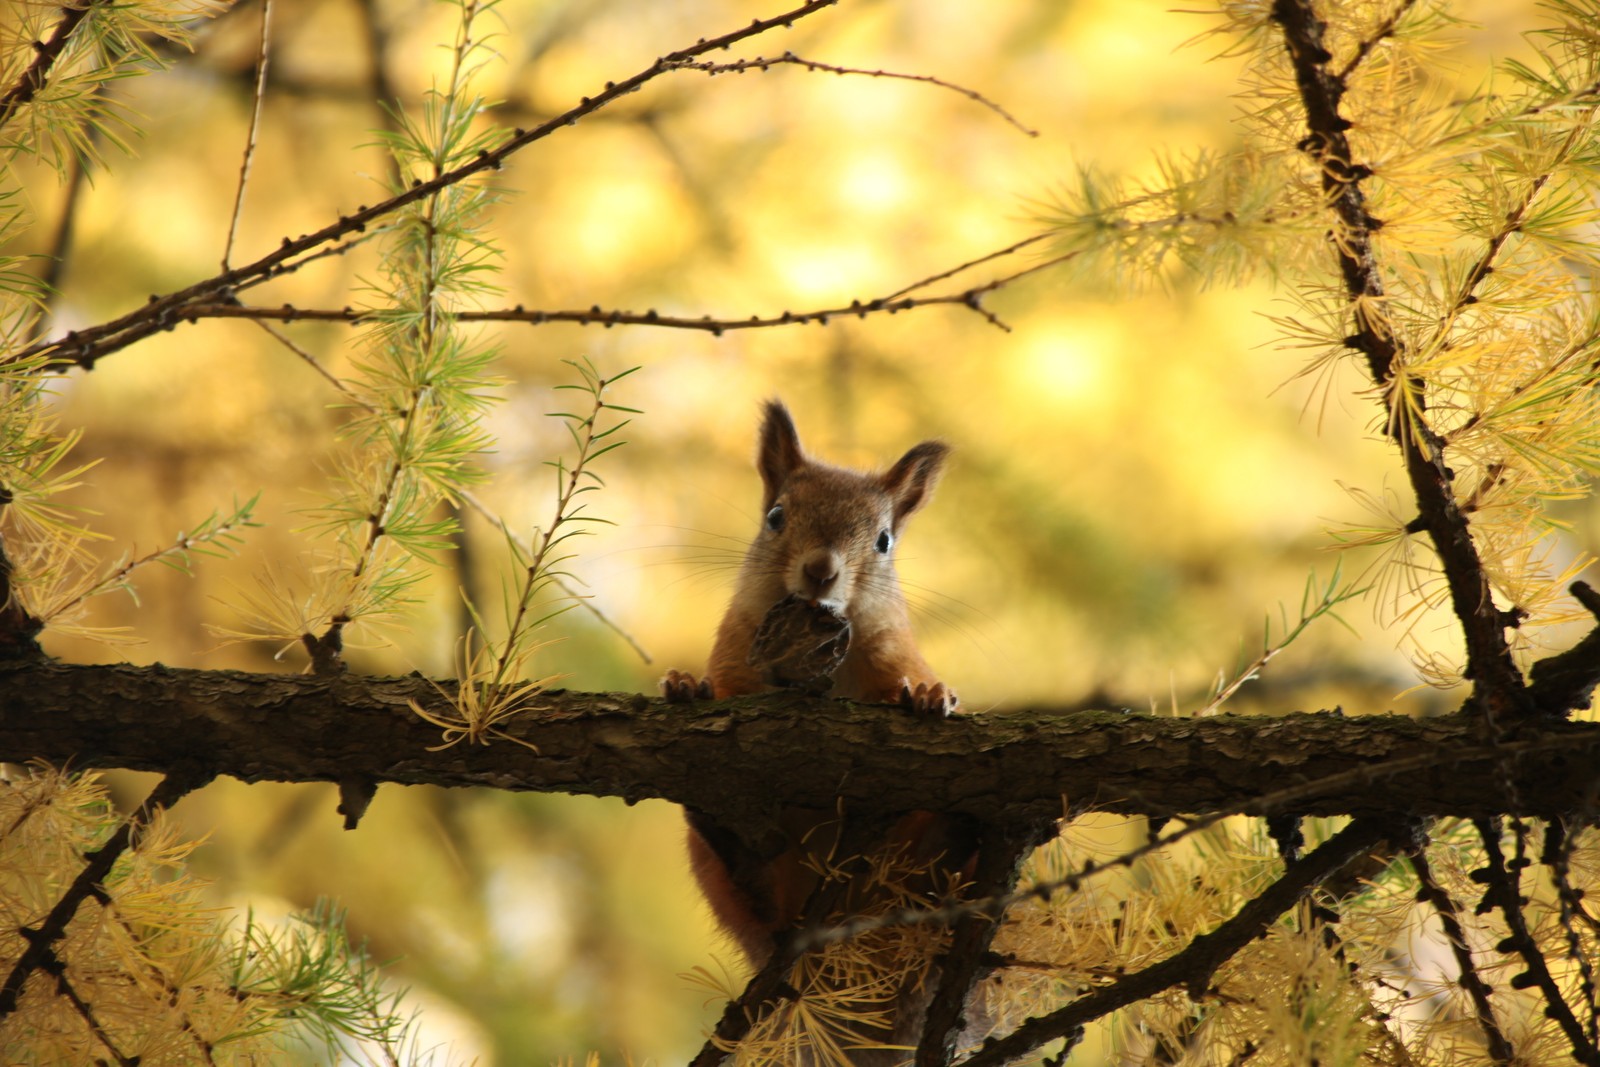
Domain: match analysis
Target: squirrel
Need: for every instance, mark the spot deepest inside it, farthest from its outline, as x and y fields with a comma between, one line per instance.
x=822, y=563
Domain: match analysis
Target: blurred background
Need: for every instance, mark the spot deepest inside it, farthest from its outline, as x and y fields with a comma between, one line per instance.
x=1138, y=480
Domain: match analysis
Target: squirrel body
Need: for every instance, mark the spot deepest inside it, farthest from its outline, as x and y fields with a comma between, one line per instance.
x=827, y=539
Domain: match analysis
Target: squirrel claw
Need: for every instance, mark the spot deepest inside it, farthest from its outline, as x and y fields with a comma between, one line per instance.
x=933, y=699
x=680, y=687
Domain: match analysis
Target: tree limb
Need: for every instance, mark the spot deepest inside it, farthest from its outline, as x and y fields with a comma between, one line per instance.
x=785, y=749
x=1489, y=662
x=1000, y=858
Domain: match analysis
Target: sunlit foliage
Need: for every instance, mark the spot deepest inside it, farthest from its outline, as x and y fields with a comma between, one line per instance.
x=1114, y=527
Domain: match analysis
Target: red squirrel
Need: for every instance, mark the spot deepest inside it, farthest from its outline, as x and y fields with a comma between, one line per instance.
x=827, y=537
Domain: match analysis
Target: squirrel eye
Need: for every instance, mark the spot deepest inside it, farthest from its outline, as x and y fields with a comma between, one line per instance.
x=775, y=518
x=884, y=541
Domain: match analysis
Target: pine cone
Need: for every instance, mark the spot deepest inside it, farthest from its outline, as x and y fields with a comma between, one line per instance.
x=800, y=644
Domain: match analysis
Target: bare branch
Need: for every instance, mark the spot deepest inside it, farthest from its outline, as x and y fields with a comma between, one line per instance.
x=762, y=63
x=1000, y=857
x=969, y=264
x=1500, y=1050
x=1384, y=31
x=970, y=298
x=1502, y=890
x=255, y=125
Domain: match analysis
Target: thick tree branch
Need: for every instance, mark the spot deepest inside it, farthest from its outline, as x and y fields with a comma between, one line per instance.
x=1565, y=681
x=1000, y=858
x=790, y=750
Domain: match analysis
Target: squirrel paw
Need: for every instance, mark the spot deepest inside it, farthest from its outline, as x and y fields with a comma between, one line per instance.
x=680, y=687
x=928, y=698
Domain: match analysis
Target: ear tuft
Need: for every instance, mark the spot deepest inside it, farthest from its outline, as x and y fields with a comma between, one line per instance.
x=779, y=453
x=910, y=481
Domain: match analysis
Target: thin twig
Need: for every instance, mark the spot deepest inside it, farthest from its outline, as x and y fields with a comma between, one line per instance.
x=1467, y=295
x=311, y=360
x=1500, y=1050
x=1384, y=32
x=762, y=63
x=57, y=968
x=46, y=53
x=255, y=126
x=174, y=997
x=1502, y=890
x=118, y=576
x=472, y=501
x=466, y=496
x=969, y=264
x=970, y=298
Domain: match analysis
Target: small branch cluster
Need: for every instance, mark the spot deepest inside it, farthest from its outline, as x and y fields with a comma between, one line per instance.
x=492, y=688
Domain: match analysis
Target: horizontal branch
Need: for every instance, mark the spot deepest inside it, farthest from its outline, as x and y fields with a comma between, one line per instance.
x=204, y=307
x=763, y=63
x=791, y=750
x=599, y=316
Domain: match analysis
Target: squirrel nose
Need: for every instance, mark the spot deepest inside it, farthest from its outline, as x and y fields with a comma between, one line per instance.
x=820, y=573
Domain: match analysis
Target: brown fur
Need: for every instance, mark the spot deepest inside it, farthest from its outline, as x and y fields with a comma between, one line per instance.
x=826, y=550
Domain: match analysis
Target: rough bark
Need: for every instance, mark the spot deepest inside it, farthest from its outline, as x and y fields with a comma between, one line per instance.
x=740, y=759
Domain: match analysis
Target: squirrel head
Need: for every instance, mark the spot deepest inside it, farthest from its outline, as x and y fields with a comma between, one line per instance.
x=828, y=534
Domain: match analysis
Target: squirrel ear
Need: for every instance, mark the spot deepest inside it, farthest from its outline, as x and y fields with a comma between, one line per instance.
x=909, y=482
x=779, y=454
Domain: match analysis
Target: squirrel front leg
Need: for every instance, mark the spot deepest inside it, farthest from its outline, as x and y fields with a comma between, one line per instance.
x=888, y=669
x=728, y=674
